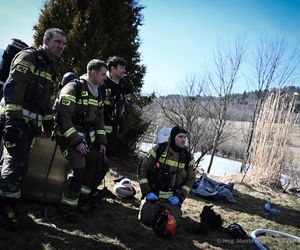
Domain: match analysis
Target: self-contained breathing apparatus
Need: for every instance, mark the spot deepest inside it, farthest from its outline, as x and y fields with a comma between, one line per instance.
x=67, y=77
x=9, y=53
x=79, y=120
x=160, y=175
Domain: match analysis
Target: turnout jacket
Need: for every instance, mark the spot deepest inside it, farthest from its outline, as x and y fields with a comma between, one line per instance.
x=29, y=89
x=82, y=119
x=115, y=97
x=171, y=174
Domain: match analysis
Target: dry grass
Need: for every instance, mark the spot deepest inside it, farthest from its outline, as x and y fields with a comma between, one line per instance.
x=270, y=146
x=115, y=226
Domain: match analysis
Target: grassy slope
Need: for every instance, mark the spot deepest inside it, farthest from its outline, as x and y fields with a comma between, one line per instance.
x=115, y=226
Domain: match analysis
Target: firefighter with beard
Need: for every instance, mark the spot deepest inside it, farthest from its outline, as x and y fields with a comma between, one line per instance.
x=82, y=138
x=28, y=95
x=166, y=179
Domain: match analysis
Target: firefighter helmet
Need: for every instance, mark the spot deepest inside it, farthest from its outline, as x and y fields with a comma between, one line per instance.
x=124, y=189
x=68, y=77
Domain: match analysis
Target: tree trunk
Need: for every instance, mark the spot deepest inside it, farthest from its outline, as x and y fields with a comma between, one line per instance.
x=211, y=159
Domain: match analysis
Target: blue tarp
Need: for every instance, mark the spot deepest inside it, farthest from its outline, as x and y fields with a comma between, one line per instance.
x=206, y=187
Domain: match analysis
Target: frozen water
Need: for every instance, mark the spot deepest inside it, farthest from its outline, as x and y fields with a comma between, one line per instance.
x=220, y=167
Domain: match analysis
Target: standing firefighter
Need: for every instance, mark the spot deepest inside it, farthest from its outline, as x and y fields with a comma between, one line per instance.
x=166, y=177
x=81, y=136
x=28, y=94
x=116, y=94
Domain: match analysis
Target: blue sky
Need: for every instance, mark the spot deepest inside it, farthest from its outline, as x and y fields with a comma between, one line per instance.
x=179, y=36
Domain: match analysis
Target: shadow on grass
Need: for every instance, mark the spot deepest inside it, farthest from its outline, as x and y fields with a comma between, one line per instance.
x=218, y=238
x=39, y=233
x=254, y=206
x=114, y=225
x=119, y=221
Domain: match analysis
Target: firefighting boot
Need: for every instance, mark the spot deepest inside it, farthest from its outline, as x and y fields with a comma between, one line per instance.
x=97, y=195
x=83, y=203
x=95, y=198
x=7, y=216
x=106, y=193
x=69, y=213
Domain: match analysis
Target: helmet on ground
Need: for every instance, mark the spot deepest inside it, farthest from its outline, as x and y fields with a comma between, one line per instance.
x=68, y=77
x=124, y=189
x=236, y=231
x=164, y=223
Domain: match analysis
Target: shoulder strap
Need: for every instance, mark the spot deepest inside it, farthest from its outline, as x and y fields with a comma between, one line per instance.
x=187, y=158
x=78, y=89
x=37, y=57
x=100, y=98
x=161, y=148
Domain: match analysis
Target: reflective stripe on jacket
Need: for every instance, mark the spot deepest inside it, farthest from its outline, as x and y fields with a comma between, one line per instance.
x=81, y=119
x=179, y=169
x=30, y=86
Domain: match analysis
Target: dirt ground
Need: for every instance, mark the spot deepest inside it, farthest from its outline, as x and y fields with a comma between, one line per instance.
x=114, y=225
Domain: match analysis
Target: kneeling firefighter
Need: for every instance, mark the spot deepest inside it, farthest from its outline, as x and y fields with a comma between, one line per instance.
x=82, y=138
x=166, y=176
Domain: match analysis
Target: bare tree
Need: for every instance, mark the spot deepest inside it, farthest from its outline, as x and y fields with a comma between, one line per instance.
x=227, y=62
x=185, y=110
x=273, y=66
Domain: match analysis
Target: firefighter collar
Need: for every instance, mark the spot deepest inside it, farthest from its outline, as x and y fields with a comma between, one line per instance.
x=113, y=80
x=92, y=88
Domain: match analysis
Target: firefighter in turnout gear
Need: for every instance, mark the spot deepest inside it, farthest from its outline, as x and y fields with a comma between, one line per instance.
x=117, y=94
x=28, y=95
x=82, y=138
x=166, y=179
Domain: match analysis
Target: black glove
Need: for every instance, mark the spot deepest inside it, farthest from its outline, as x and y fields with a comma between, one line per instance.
x=12, y=133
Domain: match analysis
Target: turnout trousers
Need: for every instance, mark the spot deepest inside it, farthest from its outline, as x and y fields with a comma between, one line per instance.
x=88, y=173
x=15, y=160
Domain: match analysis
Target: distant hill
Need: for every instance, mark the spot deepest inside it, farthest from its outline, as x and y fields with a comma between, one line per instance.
x=242, y=105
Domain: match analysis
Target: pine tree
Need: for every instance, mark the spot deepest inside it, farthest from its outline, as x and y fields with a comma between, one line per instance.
x=99, y=29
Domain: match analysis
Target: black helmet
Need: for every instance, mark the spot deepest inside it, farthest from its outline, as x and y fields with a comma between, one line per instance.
x=236, y=231
x=68, y=77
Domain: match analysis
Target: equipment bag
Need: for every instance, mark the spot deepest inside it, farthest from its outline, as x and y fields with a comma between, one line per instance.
x=210, y=217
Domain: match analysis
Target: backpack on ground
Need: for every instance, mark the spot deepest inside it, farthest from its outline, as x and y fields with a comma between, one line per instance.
x=236, y=231
x=164, y=224
x=209, y=219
